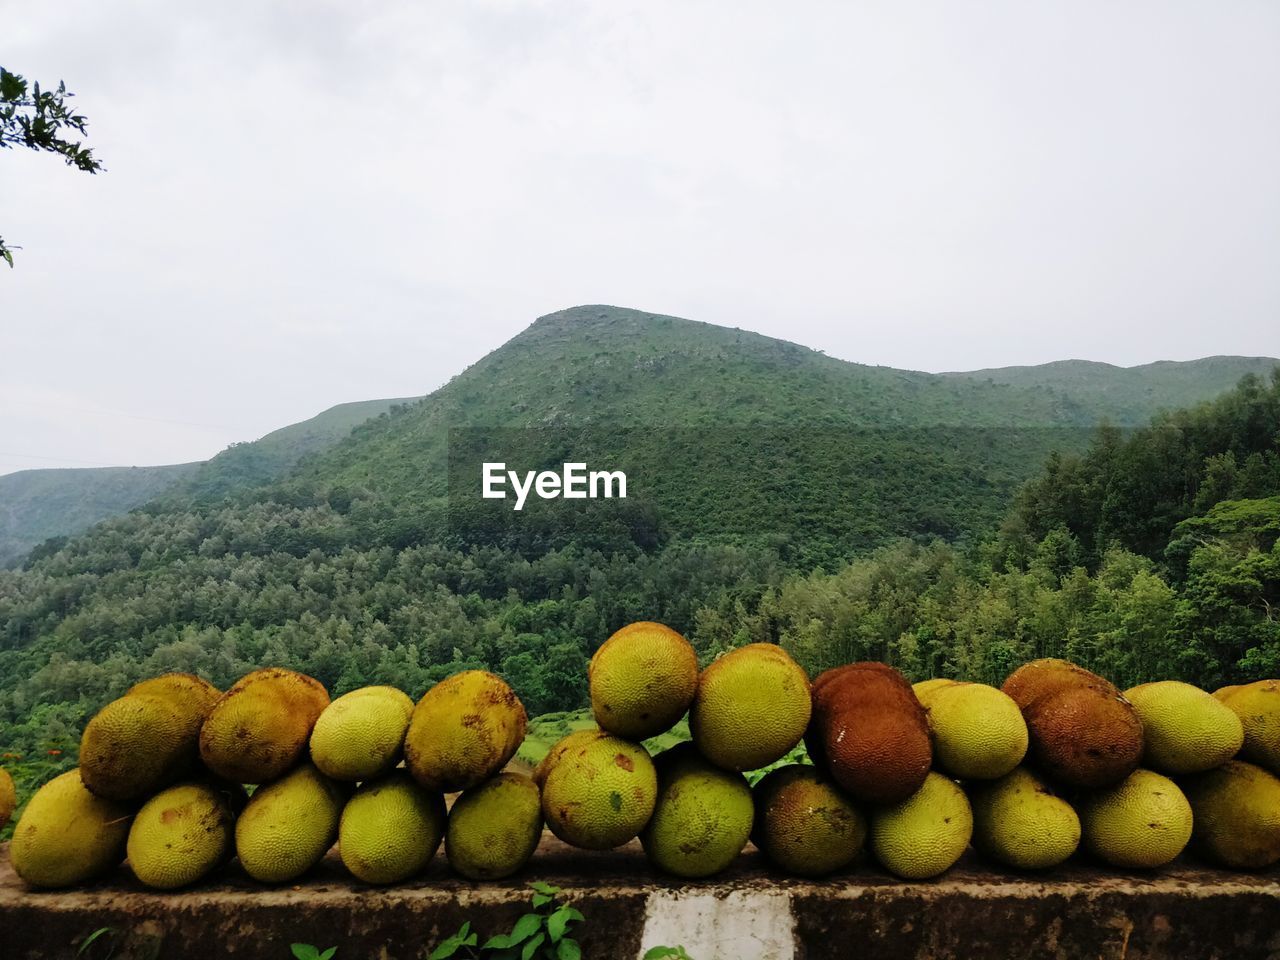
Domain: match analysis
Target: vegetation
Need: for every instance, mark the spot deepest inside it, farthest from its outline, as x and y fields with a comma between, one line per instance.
x=37, y=119
x=42, y=505
x=541, y=934
x=1129, y=395
x=1143, y=554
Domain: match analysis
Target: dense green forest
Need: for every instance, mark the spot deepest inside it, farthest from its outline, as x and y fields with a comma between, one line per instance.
x=37, y=505
x=1142, y=553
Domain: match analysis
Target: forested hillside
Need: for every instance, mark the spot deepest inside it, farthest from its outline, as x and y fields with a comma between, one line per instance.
x=36, y=505
x=1130, y=395
x=361, y=567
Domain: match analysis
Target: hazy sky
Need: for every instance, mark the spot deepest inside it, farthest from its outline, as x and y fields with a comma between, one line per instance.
x=309, y=202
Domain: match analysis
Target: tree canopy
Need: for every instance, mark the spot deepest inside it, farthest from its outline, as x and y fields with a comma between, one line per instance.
x=40, y=119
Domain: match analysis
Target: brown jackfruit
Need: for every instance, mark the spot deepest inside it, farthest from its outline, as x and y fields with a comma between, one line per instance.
x=870, y=732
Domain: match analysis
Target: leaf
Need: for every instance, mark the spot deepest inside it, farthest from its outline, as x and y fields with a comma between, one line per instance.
x=303, y=951
x=463, y=938
x=531, y=947
x=568, y=950
x=541, y=900
x=92, y=938
x=328, y=954
x=559, y=921
x=544, y=888
x=525, y=927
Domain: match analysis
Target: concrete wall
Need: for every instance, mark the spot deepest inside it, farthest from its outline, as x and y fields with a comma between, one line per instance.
x=1185, y=912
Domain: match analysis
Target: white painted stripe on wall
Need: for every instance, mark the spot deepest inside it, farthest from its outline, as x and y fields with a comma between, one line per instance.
x=737, y=925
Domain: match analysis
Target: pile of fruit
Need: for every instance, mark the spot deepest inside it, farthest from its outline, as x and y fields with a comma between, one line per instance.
x=1056, y=759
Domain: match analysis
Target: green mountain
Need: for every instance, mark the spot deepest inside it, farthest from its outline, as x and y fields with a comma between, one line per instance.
x=36, y=505
x=749, y=461
x=1129, y=395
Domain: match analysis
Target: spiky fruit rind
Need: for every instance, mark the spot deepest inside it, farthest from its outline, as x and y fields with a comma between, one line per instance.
x=134, y=746
x=642, y=680
x=1085, y=736
x=190, y=693
x=390, y=829
x=751, y=708
x=600, y=793
x=1040, y=678
x=1258, y=707
x=463, y=731
x=1236, y=815
x=805, y=823
x=925, y=689
x=1144, y=821
x=68, y=835
x=702, y=818
x=869, y=732
x=183, y=833
x=494, y=827
x=8, y=797
x=289, y=825
x=558, y=749
x=978, y=731
x=1021, y=822
x=924, y=835
x=259, y=728
x=1185, y=730
x=360, y=736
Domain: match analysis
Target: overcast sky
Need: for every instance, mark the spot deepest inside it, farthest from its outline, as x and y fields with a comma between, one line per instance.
x=309, y=202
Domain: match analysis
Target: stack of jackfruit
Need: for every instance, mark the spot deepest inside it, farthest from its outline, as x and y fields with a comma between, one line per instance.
x=1055, y=759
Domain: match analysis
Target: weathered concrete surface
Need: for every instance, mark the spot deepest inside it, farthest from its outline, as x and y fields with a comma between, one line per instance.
x=1186, y=911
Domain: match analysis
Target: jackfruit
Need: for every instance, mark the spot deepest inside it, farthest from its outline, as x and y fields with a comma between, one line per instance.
x=1143, y=821
x=289, y=825
x=8, y=797
x=558, y=749
x=390, y=829
x=926, y=688
x=1258, y=707
x=1040, y=678
x=1184, y=728
x=68, y=835
x=259, y=728
x=1236, y=812
x=702, y=818
x=600, y=793
x=1019, y=821
x=183, y=833
x=1084, y=736
x=190, y=694
x=805, y=823
x=147, y=739
x=925, y=834
x=869, y=732
x=494, y=827
x=642, y=680
x=360, y=736
x=978, y=731
x=463, y=731
x=752, y=706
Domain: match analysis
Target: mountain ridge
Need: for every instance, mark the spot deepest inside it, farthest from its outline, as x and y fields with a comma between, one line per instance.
x=600, y=364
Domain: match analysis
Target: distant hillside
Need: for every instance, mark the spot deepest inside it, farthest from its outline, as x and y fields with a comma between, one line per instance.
x=1129, y=395
x=36, y=505
x=272, y=456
